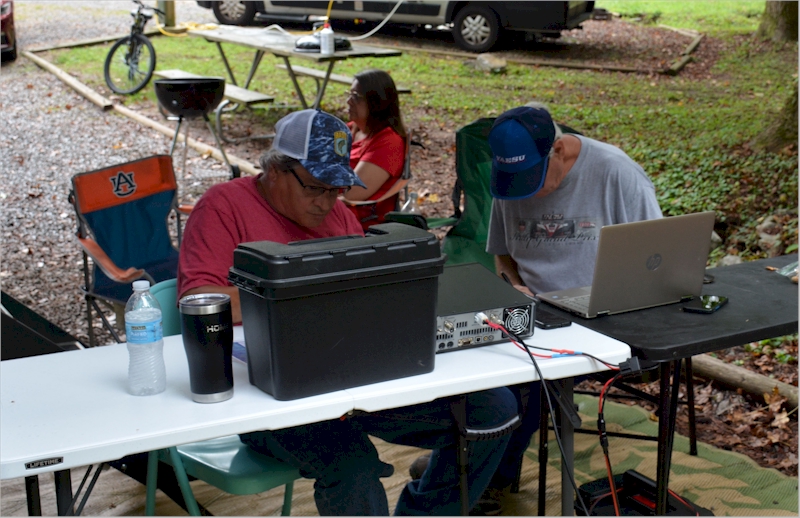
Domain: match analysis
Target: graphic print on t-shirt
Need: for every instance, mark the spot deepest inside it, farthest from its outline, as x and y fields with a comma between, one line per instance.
x=555, y=229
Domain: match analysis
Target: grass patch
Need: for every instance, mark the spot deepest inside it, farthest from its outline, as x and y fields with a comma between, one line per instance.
x=714, y=18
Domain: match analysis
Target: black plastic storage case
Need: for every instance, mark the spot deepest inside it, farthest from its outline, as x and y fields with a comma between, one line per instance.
x=328, y=314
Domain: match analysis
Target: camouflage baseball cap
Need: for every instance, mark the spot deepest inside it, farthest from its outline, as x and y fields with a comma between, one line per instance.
x=321, y=143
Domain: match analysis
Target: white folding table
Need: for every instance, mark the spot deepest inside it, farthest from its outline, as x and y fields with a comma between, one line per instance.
x=71, y=409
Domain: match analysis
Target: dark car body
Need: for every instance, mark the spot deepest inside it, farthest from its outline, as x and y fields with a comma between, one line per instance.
x=8, y=38
x=476, y=26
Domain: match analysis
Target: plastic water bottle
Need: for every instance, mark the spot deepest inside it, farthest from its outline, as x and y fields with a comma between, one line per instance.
x=146, y=372
x=412, y=205
x=326, y=43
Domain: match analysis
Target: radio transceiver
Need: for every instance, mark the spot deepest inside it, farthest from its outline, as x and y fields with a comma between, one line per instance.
x=468, y=289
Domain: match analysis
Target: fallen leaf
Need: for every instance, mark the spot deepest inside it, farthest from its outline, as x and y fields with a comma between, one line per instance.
x=733, y=439
x=763, y=360
x=776, y=436
x=724, y=405
x=776, y=404
x=789, y=461
x=781, y=420
x=774, y=400
x=738, y=415
x=702, y=395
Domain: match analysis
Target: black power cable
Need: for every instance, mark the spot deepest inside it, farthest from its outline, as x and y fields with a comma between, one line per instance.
x=550, y=407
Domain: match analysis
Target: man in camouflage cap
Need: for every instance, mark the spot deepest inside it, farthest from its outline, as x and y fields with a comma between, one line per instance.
x=295, y=198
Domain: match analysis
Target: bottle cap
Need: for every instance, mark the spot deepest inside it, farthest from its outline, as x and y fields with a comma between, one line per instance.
x=141, y=285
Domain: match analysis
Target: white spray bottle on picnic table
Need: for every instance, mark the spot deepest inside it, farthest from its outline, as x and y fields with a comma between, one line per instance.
x=326, y=43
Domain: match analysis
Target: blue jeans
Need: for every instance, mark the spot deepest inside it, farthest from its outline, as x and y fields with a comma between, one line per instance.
x=530, y=414
x=340, y=457
x=508, y=469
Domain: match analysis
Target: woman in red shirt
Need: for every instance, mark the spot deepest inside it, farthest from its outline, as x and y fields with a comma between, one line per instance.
x=379, y=143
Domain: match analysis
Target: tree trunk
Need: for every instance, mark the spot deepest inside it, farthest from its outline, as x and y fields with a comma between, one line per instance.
x=782, y=131
x=779, y=21
x=706, y=366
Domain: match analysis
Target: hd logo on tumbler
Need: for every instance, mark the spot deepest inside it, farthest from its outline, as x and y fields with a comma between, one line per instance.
x=216, y=328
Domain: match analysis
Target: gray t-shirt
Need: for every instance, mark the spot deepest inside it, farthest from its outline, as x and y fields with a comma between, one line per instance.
x=554, y=239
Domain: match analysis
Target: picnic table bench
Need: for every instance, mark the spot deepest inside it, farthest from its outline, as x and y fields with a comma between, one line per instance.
x=319, y=75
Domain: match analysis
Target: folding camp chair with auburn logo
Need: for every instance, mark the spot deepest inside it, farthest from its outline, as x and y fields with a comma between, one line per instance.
x=122, y=213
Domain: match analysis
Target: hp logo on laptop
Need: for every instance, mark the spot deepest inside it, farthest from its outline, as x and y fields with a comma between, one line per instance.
x=653, y=262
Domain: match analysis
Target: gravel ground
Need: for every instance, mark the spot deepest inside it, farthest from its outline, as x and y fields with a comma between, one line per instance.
x=52, y=133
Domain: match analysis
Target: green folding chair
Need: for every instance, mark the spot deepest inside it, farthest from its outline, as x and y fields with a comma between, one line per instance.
x=466, y=241
x=225, y=463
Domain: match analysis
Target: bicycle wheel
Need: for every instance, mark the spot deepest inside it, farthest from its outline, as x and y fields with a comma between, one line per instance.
x=130, y=64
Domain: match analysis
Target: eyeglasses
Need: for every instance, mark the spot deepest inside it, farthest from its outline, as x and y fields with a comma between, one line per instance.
x=353, y=95
x=312, y=191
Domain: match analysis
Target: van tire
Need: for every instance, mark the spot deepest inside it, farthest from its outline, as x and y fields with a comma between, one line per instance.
x=476, y=28
x=233, y=12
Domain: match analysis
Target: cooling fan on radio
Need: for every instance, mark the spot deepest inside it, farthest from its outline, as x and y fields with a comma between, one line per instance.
x=517, y=320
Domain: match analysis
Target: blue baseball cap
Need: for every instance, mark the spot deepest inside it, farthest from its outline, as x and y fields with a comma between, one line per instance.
x=321, y=143
x=521, y=140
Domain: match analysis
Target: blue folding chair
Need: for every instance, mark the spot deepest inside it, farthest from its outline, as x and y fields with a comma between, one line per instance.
x=122, y=214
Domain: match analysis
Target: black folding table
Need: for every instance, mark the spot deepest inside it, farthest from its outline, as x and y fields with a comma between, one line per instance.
x=761, y=304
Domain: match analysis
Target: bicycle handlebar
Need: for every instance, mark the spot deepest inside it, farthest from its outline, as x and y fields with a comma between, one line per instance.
x=142, y=6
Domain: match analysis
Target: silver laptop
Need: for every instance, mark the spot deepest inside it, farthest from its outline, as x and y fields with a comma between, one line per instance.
x=641, y=265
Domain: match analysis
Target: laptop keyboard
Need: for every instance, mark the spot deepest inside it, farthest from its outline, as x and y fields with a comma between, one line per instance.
x=580, y=303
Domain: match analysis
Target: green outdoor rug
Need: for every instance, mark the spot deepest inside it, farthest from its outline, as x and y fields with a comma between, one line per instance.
x=724, y=482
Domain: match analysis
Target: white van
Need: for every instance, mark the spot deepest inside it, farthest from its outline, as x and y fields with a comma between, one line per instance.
x=476, y=26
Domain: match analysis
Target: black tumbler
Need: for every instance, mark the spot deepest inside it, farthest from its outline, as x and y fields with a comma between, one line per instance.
x=207, y=328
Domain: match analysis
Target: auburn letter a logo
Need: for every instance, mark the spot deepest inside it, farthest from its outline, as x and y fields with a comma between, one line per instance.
x=123, y=184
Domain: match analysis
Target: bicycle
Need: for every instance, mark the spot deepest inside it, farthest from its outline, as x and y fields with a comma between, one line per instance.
x=131, y=61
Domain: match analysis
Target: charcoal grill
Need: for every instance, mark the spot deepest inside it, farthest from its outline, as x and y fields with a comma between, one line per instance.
x=190, y=98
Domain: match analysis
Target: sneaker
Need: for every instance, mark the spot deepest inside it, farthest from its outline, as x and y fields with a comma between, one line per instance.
x=419, y=466
x=490, y=503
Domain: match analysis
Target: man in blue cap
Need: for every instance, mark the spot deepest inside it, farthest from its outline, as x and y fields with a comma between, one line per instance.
x=296, y=198
x=552, y=194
